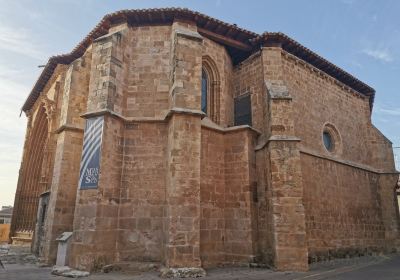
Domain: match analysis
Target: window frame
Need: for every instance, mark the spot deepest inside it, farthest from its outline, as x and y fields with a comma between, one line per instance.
x=239, y=98
x=213, y=89
x=335, y=139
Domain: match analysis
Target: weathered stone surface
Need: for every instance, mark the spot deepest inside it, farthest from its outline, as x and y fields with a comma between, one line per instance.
x=131, y=267
x=185, y=272
x=185, y=188
x=66, y=271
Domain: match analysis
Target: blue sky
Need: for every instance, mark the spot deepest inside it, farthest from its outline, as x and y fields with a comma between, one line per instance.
x=360, y=36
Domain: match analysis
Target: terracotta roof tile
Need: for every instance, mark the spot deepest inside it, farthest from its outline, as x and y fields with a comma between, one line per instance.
x=167, y=15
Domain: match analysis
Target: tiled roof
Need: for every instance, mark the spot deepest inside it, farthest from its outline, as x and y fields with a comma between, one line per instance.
x=239, y=42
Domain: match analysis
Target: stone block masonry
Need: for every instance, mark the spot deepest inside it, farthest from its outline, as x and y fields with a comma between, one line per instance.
x=178, y=183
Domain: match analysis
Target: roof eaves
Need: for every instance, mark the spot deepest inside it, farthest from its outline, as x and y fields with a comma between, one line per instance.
x=317, y=61
x=202, y=20
x=102, y=28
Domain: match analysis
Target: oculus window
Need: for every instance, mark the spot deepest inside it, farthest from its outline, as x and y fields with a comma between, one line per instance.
x=331, y=139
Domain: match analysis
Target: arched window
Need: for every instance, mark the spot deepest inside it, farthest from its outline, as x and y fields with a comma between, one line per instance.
x=210, y=89
x=328, y=142
x=204, y=91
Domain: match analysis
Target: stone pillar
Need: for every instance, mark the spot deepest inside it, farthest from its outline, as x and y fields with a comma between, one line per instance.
x=21, y=175
x=184, y=140
x=289, y=240
x=288, y=216
x=60, y=212
x=95, y=229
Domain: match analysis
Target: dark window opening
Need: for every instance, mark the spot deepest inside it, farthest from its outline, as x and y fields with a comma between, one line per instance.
x=328, y=143
x=243, y=110
x=204, y=91
x=43, y=216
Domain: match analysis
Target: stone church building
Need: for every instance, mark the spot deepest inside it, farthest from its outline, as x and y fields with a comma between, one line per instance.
x=172, y=137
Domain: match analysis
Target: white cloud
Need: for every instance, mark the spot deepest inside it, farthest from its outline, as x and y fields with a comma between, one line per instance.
x=379, y=54
x=17, y=40
x=386, y=111
x=392, y=112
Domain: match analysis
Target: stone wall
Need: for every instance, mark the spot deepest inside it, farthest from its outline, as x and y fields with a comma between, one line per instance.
x=265, y=245
x=346, y=212
x=148, y=81
x=142, y=201
x=220, y=63
x=67, y=156
x=284, y=183
x=212, y=198
x=240, y=223
x=189, y=190
x=343, y=191
x=248, y=79
x=320, y=99
x=96, y=212
x=228, y=228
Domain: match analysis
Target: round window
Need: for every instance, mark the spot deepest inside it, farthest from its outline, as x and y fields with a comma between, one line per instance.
x=328, y=141
x=331, y=139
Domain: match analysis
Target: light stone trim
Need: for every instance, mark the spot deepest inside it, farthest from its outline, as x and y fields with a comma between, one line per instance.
x=68, y=128
x=102, y=112
x=277, y=92
x=175, y=110
x=213, y=126
x=315, y=154
x=346, y=162
x=331, y=129
x=189, y=34
x=282, y=138
x=108, y=35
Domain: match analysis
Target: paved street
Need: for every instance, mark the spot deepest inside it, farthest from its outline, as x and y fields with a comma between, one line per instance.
x=364, y=268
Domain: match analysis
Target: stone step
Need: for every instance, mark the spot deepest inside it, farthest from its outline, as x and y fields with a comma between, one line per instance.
x=22, y=238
